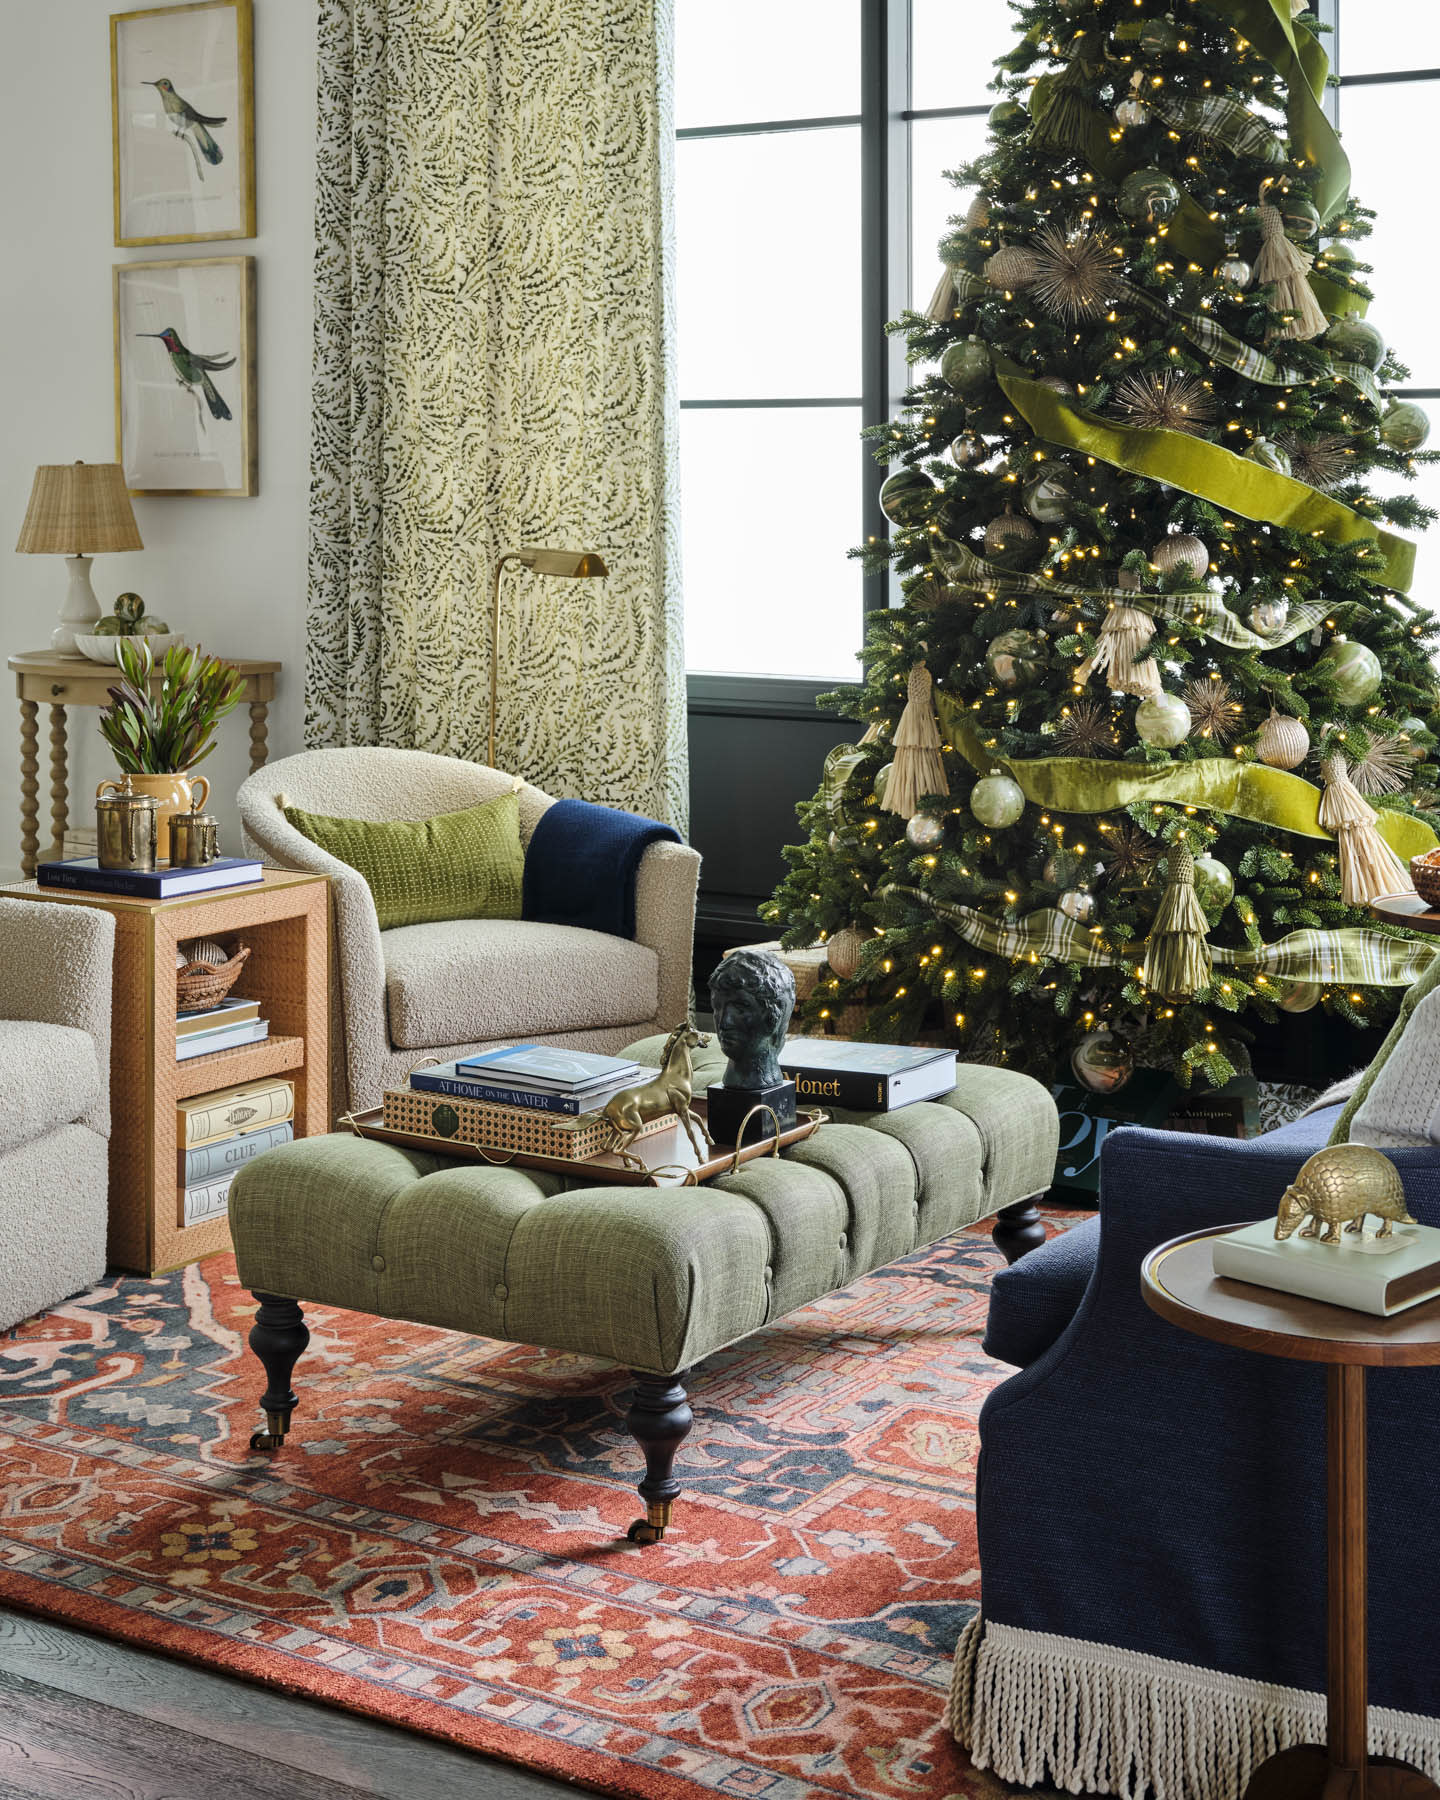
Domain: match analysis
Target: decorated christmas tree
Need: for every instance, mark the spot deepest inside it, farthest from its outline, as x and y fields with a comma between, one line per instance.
x=1157, y=717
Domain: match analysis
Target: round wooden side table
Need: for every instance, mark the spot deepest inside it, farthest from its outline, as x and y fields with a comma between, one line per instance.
x=1179, y=1283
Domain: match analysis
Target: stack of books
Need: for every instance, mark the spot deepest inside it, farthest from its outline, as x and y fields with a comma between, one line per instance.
x=222, y=1027
x=220, y=1132
x=866, y=1077
x=164, y=883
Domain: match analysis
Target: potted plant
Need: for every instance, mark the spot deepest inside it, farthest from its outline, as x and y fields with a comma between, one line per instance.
x=160, y=736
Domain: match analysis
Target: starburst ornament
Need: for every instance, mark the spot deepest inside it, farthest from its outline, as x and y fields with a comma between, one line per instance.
x=1074, y=272
x=1215, y=713
x=1168, y=402
x=1384, y=768
x=1323, y=462
x=1087, y=730
x=1129, y=853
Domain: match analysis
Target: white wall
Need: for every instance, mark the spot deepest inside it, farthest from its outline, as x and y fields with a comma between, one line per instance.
x=229, y=573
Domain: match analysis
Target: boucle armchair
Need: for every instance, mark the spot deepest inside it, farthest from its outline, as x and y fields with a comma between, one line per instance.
x=440, y=991
x=54, y=1102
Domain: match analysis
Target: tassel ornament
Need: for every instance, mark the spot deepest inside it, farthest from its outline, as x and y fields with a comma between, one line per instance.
x=1368, y=866
x=918, y=768
x=1123, y=636
x=1177, y=957
x=1284, y=269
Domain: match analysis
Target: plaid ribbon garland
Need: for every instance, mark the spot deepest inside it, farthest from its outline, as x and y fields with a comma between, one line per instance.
x=1224, y=122
x=840, y=764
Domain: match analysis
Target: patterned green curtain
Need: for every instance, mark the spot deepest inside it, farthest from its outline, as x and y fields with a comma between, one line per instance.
x=494, y=367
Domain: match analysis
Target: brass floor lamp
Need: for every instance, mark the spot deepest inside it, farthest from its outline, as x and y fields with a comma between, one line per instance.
x=569, y=565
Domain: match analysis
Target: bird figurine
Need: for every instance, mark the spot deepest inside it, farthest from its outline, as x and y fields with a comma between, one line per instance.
x=188, y=124
x=192, y=371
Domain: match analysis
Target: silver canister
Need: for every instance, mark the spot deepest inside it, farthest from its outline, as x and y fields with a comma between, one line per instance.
x=194, y=839
x=126, y=826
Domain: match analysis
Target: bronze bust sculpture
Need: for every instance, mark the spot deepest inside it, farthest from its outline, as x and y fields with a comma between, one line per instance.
x=752, y=994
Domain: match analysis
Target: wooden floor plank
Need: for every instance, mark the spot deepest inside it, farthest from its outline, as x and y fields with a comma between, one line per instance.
x=243, y=1720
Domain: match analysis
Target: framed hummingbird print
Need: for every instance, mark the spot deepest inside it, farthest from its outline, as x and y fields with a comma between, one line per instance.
x=182, y=108
x=185, y=376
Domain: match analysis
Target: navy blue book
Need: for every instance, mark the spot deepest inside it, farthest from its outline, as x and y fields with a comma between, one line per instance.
x=85, y=873
x=443, y=1080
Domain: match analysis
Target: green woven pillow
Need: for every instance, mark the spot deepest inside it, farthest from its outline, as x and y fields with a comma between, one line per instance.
x=458, y=865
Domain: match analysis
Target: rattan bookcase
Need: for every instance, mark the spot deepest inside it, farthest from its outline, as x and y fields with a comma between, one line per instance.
x=285, y=921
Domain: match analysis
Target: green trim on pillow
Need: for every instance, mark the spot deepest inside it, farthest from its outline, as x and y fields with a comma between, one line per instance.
x=458, y=865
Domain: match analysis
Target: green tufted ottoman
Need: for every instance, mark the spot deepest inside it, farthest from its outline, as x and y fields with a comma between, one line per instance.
x=653, y=1279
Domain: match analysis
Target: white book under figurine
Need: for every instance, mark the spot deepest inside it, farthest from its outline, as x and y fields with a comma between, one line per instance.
x=1367, y=1273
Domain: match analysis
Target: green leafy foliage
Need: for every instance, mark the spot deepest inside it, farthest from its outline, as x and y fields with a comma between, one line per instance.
x=168, y=730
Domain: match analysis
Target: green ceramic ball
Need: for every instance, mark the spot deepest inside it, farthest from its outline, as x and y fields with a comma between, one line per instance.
x=1356, y=669
x=905, y=496
x=1269, y=456
x=996, y=800
x=1050, y=492
x=1355, y=340
x=1007, y=116
x=1013, y=658
x=1405, y=427
x=1338, y=257
x=1214, y=884
x=1158, y=37
x=130, y=608
x=966, y=366
x=1163, y=721
x=1149, y=195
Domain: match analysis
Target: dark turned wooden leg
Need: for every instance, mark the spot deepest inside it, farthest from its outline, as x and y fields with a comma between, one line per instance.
x=278, y=1337
x=659, y=1420
x=1018, y=1229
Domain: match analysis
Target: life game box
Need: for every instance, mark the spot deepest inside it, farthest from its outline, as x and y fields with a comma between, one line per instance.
x=1148, y=1098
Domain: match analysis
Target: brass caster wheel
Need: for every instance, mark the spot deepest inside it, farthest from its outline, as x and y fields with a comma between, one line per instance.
x=265, y=1440
x=643, y=1532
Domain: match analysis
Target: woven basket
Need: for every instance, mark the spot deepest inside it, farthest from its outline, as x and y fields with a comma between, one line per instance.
x=199, y=984
x=1425, y=873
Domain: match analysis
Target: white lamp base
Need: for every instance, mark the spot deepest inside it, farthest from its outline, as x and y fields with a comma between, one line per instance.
x=81, y=611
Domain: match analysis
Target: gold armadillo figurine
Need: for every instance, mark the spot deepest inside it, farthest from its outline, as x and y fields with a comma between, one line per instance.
x=1339, y=1186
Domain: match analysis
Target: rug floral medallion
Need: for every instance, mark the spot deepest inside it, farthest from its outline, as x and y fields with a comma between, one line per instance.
x=441, y=1541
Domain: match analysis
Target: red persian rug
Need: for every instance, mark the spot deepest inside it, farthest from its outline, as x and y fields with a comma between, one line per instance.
x=441, y=1542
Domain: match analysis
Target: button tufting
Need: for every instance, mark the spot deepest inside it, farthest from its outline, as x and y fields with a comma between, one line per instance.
x=378, y=1264
x=769, y=1273
x=844, y=1239
x=502, y=1292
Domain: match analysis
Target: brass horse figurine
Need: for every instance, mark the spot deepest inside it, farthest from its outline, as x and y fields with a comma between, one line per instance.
x=670, y=1091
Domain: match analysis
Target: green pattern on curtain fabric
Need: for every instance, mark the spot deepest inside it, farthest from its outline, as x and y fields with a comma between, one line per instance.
x=494, y=367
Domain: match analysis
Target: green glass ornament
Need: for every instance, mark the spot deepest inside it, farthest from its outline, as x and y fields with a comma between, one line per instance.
x=1008, y=116
x=924, y=833
x=1269, y=456
x=1214, y=883
x=1077, y=904
x=1405, y=427
x=1235, y=275
x=1411, y=731
x=881, y=782
x=1149, y=195
x=1102, y=1062
x=1050, y=492
x=1338, y=257
x=1163, y=721
x=1356, y=669
x=1159, y=37
x=966, y=366
x=1300, y=997
x=966, y=449
x=996, y=800
x=905, y=496
x=1130, y=113
x=1355, y=340
x=1013, y=658
x=1269, y=616
x=1299, y=214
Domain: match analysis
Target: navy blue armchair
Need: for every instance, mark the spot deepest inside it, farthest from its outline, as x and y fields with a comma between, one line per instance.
x=1151, y=1508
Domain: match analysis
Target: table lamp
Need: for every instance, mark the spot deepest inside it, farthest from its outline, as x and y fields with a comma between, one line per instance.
x=569, y=564
x=75, y=510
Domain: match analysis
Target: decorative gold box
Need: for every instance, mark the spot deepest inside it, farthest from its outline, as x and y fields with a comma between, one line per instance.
x=515, y=1128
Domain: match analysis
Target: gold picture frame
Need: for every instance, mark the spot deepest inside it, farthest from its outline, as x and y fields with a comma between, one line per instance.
x=185, y=376
x=182, y=122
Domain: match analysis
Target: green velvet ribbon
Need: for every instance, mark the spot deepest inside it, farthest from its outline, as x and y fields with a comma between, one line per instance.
x=1209, y=471
x=1242, y=790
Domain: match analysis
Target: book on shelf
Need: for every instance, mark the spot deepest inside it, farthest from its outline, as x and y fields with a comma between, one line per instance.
x=85, y=875
x=866, y=1077
x=210, y=1018
x=445, y=1079
x=206, y=1117
x=224, y=1037
x=206, y=1200
x=226, y=1155
x=513, y=1128
x=1369, y=1273
x=546, y=1069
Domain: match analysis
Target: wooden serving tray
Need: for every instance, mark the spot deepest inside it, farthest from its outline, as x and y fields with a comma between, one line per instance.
x=666, y=1159
x=1408, y=910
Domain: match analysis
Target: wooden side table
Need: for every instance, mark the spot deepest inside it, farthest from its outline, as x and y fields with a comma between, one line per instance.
x=285, y=919
x=1179, y=1282
x=44, y=677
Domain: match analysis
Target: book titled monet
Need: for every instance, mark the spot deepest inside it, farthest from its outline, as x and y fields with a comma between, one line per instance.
x=1369, y=1274
x=866, y=1077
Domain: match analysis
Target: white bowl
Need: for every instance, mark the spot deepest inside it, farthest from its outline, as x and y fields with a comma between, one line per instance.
x=101, y=648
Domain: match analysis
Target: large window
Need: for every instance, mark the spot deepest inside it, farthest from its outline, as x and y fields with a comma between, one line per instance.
x=811, y=194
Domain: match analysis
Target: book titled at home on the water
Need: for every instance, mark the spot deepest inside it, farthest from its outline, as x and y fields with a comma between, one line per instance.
x=445, y=1079
x=866, y=1077
x=545, y=1066
x=1369, y=1273
x=85, y=874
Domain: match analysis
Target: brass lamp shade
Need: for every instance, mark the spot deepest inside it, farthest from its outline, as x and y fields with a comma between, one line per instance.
x=568, y=564
x=77, y=509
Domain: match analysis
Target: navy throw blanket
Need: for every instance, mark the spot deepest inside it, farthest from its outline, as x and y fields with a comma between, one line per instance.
x=581, y=863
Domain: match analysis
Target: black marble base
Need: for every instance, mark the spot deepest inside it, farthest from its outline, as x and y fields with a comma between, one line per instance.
x=726, y=1107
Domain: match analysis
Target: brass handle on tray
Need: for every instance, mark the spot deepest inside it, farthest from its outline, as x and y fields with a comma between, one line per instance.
x=740, y=1135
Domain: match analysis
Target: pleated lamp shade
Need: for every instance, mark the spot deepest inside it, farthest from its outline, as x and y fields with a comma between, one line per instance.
x=77, y=509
